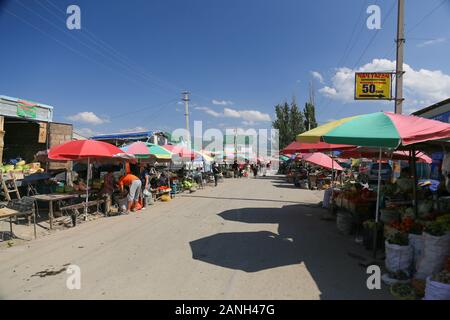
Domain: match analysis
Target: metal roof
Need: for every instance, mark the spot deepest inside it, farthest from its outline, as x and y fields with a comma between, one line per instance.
x=127, y=135
x=432, y=107
x=18, y=99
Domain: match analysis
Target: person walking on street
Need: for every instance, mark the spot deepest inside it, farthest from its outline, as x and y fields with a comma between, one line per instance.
x=235, y=168
x=216, y=172
x=254, y=168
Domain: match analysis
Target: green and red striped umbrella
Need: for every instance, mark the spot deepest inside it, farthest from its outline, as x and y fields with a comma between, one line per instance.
x=378, y=130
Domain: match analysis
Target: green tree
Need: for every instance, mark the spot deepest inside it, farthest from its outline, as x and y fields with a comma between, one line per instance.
x=296, y=120
x=310, y=116
x=282, y=123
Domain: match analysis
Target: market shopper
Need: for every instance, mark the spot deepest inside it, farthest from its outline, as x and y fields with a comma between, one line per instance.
x=216, y=173
x=254, y=168
x=145, y=177
x=134, y=184
x=235, y=168
x=146, y=174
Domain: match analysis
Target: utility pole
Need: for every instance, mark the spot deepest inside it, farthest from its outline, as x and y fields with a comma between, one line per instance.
x=186, y=100
x=400, y=42
x=311, y=102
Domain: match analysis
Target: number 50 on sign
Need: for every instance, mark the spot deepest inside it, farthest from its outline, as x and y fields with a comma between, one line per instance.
x=373, y=86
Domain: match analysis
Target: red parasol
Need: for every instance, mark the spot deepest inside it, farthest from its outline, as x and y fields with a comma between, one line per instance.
x=322, y=160
x=373, y=154
x=83, y=149
x=295, y=147
x=182, y=152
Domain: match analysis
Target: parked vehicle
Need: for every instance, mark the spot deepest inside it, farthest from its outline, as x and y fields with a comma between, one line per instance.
x=386, y=171
x=364, y=167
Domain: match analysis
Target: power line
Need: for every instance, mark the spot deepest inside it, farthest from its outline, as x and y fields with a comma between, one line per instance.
x=95, y=39
x=373, y=38
x=346, y=51
x=111, y=50
x=427, y=15
x=64, y=31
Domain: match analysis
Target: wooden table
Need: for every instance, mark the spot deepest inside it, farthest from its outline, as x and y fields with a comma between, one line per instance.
x=8, y=213
x=50, y=198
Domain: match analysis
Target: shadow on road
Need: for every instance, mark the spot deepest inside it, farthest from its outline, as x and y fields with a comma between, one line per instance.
x=302, y=237
x=250, y=199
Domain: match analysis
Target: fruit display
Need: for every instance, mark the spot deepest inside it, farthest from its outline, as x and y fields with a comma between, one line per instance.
x=22, y=167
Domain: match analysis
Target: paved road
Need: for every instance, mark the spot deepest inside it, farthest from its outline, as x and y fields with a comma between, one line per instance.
x=245, y=239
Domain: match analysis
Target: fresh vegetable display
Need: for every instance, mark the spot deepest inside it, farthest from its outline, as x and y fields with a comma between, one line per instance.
x=408, y=225
x=403, y=291
x=436, y=228
x=399, y=275
x=398, y=238
x=442, y=277
x=445, y=221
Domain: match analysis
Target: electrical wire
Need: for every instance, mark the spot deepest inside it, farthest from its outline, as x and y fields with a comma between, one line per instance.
x=108, y=48
x=431, y=12
x=67, y=32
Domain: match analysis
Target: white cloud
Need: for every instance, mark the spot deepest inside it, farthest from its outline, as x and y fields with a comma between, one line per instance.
x=209, y=111
x=222, y=102
x=317, y=76
x=246, y=115
x=85, y=132
x=135, y=129
x=254, y=116
x=248, y=123
x=421, y=86
x=231, y=113
x=431, y=42
x=87, y=117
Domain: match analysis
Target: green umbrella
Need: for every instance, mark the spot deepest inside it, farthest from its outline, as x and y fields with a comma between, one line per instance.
x=145, y=150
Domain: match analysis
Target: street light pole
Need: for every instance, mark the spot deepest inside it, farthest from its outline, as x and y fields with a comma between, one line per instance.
x=186, y=114
x=400, y=42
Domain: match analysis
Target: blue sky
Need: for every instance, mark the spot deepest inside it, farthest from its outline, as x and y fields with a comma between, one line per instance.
x=126, y=67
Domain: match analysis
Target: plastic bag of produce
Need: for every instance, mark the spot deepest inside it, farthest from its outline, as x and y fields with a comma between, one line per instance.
x=327, y=198
x=388, y=215
x=344, y=222
x=436, y=290
x=398, y=258
x=435, y=250
x=416, y=241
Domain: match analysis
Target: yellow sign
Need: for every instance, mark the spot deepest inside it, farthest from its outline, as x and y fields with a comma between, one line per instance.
x=373, y=86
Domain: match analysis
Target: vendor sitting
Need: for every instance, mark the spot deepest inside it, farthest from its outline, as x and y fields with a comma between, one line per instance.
x=78, y=183
x=134, y=184
x=108, y=184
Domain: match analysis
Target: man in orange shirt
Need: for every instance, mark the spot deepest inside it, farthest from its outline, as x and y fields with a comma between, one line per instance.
x=134, y=184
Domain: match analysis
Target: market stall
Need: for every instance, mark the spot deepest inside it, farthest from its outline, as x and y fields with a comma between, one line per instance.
x=89, y=151
x=416, y=243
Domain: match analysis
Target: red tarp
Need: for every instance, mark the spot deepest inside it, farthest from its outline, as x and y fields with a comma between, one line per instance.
x=295, y=147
